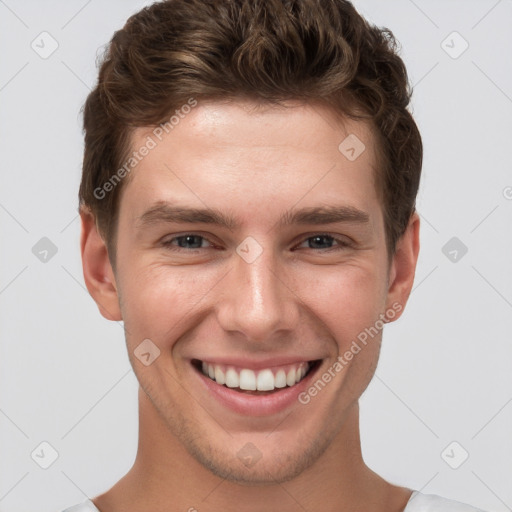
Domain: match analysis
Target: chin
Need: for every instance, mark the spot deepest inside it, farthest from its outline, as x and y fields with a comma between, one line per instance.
x=273, y=464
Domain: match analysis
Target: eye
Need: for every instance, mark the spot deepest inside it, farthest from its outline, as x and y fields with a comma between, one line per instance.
x=194, y=242
x=321, y=240
x=187, y=241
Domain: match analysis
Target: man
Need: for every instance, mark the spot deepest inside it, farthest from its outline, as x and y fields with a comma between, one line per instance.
x=248, y=211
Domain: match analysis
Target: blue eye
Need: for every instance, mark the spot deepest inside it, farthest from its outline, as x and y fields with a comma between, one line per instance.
x=189, y=241
x=324, y=239
x=192, y=242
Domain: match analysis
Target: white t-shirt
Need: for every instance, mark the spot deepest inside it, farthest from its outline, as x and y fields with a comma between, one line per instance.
x=418, y=502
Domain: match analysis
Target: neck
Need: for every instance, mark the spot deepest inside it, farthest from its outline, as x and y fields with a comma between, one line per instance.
x=165, y=475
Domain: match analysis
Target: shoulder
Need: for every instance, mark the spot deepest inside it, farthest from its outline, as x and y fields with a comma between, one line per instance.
x=432, y=503
x=86, y=506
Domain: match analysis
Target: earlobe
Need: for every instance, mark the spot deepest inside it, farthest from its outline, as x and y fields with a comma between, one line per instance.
x=403, y=267
x=98, y=274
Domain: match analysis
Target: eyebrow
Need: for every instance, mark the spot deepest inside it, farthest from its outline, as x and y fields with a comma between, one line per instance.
x=164, y=212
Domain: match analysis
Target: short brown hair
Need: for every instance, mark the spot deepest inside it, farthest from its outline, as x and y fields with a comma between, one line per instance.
x=263, y=50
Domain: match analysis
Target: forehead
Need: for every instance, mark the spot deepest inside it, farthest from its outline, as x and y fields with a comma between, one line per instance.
x=263, y=152
x=302, y=127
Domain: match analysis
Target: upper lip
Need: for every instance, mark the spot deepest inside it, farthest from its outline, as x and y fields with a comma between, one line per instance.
x=256, y=364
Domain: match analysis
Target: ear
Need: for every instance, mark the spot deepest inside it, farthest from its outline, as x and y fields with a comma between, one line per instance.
x=403, y=267
x=98, y=274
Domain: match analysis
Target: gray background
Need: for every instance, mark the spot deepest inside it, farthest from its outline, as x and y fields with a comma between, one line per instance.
x=445, y=369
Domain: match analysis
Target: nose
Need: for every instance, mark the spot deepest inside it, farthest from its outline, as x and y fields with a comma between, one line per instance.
x=258, y=298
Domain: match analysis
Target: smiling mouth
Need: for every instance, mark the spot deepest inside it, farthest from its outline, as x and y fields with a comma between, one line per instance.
x=256, y=382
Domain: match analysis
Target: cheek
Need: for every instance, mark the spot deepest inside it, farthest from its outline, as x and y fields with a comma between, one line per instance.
x=348, y=300
x=156, y=299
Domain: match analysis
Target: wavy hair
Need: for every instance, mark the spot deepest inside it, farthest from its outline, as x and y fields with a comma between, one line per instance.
x=267, y=51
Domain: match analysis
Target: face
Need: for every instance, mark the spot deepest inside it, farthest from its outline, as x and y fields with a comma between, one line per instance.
x=251, y=257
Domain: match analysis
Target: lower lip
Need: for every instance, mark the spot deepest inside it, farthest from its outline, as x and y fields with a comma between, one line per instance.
x=257, y=405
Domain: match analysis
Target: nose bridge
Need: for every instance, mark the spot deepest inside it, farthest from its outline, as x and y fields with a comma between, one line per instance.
x=257, y=302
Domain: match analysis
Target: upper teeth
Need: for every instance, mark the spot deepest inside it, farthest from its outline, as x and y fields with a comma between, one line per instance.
x=262, y=380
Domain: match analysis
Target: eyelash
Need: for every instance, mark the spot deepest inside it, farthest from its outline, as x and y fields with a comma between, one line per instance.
x=342, y=243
